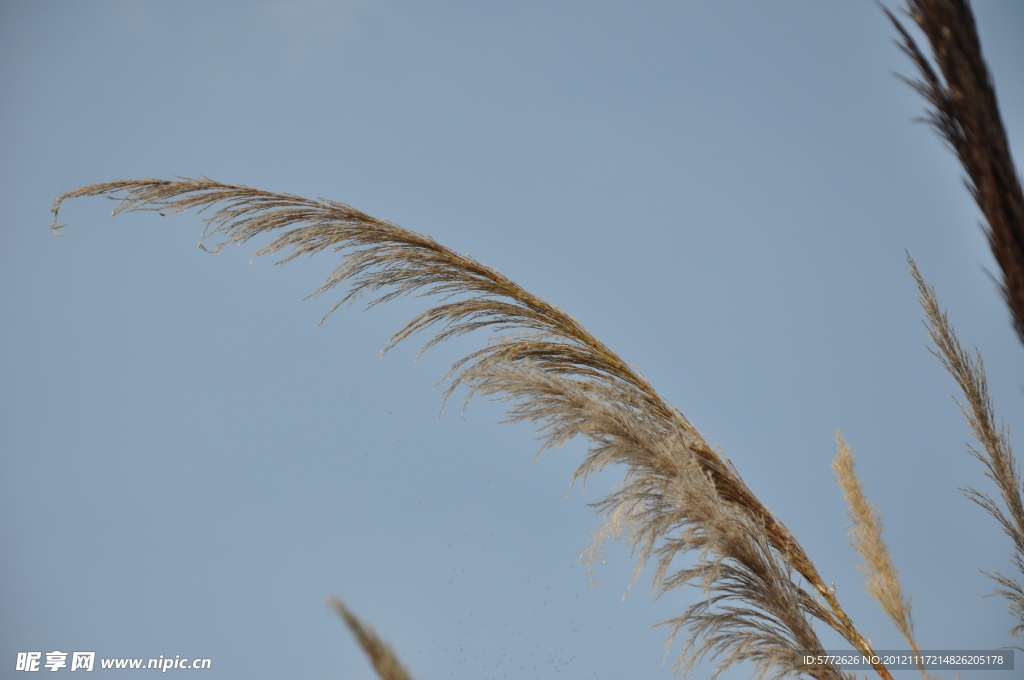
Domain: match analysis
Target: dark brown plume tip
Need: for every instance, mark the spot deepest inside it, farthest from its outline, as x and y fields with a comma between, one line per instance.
x=964, y=110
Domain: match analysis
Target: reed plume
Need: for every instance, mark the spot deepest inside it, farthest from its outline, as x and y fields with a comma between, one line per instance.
x=996, y=455
x=380, y=654
x=881, y=578
x=965, y=112
x=761, y=590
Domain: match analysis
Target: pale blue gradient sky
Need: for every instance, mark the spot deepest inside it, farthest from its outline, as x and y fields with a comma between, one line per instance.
x=720, y=191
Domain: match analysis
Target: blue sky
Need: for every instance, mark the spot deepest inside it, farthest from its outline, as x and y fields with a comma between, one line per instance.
x=721, y=192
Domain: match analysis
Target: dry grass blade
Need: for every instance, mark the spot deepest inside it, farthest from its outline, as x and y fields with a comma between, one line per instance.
x=689, y=498
x=965, y=112
x=383, y=658
x=997, y=456
x=881, y=577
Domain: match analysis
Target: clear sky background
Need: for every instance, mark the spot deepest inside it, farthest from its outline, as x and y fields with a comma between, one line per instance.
x=721, y=192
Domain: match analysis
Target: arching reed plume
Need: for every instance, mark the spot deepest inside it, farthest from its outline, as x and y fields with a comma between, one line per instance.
x=761, y=590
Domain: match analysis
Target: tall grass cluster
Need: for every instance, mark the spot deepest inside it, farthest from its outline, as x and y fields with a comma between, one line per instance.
x=682, y=504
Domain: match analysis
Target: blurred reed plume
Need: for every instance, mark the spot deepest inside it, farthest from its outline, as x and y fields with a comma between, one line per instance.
x=380, y=654
x=681, y=501
x=965, y=112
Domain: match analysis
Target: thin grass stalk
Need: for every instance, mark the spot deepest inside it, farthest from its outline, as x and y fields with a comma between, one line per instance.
x=563, y=376
x=996, y=455
x=381, y=656
x=964, y=111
